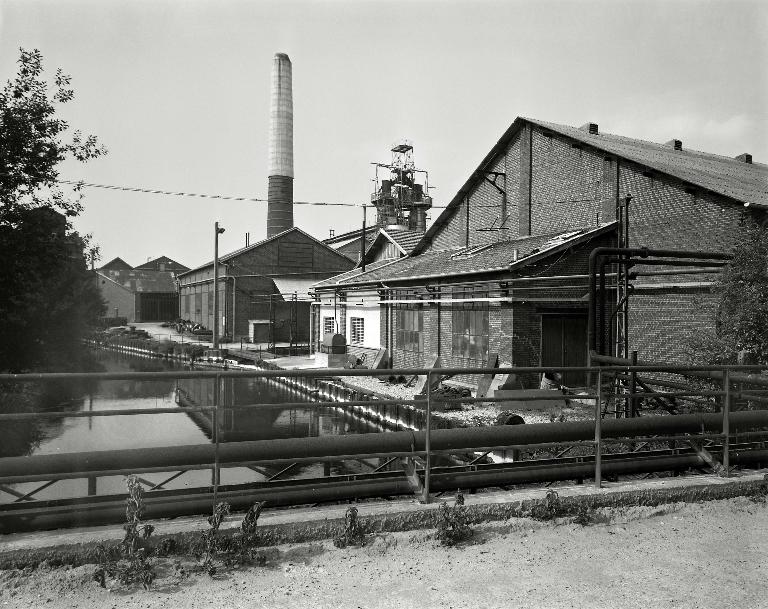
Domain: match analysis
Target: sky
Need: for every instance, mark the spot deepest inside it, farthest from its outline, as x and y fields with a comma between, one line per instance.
x=178, y=92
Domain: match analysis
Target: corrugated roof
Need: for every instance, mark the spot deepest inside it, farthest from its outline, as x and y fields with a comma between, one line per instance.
x=142, y=281
x=499, y=256
x=745, y=182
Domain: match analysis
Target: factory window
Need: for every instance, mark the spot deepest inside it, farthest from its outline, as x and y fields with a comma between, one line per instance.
x=469, y=325
x=409, y=335
x=210, y=303
x=329, y=325
x=198, y=304
x=358, y=330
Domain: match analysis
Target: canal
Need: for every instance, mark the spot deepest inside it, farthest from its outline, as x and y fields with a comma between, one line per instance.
x=81, y=434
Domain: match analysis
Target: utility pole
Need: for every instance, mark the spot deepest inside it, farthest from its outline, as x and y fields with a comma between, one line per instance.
x=217, y=232
x=362, y=242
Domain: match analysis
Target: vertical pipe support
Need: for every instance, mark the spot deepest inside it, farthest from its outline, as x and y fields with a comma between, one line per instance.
x=598, y=429
x=726, y=422
x=216, y=467
x=428, y=439
x=633, y=387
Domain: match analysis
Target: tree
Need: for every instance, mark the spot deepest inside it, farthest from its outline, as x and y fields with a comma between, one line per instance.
x=48, y=297
x=33, y=144
x=742, y=315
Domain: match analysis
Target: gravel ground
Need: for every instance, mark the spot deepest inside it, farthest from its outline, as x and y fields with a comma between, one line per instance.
x=477, y=414
x=707, y=555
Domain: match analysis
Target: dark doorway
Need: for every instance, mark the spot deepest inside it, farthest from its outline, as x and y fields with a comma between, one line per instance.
x=564, y=343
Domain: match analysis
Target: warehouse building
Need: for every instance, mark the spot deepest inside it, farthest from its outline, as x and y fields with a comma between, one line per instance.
x=263, y=288
x=502, y=271
x=142, y=294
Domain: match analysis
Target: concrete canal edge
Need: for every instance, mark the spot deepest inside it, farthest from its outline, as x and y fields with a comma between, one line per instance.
x=312, y=524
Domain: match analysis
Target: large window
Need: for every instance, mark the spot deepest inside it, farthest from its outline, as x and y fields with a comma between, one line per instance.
x=329, y=325
x=469, y=325
x=357, y=325
x=409, y=335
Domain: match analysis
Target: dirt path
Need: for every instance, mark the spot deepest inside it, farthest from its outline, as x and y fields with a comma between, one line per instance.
x=697, y=556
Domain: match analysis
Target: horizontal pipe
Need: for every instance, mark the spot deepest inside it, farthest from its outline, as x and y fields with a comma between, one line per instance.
x=173, y=503
x=15, y=469
x=334, y=373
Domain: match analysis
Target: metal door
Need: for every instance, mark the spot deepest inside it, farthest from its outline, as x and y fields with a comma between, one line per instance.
x=564, y=343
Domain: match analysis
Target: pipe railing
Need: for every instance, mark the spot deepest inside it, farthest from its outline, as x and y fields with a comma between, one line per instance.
x=425, y=448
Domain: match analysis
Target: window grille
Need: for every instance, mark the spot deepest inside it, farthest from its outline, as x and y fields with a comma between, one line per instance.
x=469, y=325
x=329, y=325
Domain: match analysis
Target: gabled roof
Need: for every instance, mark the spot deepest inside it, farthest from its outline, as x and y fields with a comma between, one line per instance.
x=476, y=259
x=742, y=182
x=404, y=240
x=116, y=264
x=168, y=263
x=141, y=281
x=253, y=246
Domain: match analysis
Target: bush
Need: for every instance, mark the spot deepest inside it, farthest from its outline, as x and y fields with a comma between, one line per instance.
x=352, y=534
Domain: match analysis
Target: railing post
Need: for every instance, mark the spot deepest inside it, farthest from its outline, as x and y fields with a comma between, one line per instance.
x=726, y=422
x=598, y=429
x=215, y=417
x=428, y=438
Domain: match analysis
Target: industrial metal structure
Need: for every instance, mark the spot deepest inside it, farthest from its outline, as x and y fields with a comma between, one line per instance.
x=401, y=201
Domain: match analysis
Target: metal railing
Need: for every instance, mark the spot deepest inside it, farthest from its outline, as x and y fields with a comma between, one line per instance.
x=421, y=445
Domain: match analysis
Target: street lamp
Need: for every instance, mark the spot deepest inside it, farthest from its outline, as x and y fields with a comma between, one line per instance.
x=217, y=232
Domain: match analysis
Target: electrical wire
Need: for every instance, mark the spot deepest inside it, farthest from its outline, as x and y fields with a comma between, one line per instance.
x=156, y=191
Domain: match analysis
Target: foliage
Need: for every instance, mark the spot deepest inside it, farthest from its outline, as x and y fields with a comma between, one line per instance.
x=742, y=291
x=453, y=522
x=353, y=533
x=48, y=298
x=132, y=563
x=548, y=509
x=32, y=140
x=210, y=543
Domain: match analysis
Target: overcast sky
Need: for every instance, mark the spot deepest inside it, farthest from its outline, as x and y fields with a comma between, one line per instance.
x=179, y=94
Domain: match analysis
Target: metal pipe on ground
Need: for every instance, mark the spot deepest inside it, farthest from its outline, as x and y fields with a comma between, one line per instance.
x=112, y=510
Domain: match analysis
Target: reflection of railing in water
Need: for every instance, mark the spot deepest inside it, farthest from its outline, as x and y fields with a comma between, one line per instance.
x=693, y=439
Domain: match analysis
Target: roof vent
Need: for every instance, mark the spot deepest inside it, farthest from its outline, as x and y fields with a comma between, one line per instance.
x=676, y=144
x=591, y=128
x=745, y=158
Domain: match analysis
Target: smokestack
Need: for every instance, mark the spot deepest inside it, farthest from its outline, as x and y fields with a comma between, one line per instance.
x=280, y=193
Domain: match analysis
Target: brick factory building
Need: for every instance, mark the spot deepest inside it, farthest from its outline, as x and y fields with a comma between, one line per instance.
x=502, y=270
x=263, y=288
x=143, y=293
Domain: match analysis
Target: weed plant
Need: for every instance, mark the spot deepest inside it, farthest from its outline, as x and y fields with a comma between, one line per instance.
x=549, y=509
x=352, y=534
x=453, y=522
x=130, y=561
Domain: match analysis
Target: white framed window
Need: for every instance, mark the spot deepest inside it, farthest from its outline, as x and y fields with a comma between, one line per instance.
x=357, y=325
x=329, y=325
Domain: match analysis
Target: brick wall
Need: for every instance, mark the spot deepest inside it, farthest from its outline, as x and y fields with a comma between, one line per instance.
x=660, y=323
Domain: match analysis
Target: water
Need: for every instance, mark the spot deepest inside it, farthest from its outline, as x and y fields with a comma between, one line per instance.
x=80, y=434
